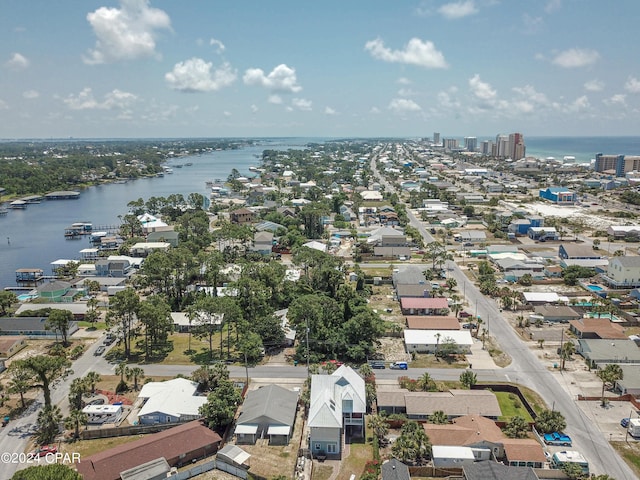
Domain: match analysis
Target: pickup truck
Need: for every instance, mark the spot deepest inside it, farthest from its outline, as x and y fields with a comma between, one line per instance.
x=557, y=438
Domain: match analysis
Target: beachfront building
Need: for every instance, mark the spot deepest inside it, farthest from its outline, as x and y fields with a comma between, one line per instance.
x=559, y=195
x=616, y=164
x=623, y=272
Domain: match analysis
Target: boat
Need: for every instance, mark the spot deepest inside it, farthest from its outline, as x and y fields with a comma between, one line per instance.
x=188, y=164
x=254, y=169
x=18, y=204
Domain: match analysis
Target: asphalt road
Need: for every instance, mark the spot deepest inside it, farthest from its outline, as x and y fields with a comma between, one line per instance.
x=527, y=370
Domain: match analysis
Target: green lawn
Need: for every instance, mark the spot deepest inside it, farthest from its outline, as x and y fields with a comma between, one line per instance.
x=631, y=454
x=511, y=406
x=93, y=325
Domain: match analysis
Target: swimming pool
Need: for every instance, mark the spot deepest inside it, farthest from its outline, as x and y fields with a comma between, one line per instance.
x=595, y=288
x=26, y=297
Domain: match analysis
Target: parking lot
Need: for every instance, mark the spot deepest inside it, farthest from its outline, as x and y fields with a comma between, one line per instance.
x=608, y=418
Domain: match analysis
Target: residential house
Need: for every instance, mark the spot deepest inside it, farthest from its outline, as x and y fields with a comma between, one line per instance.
x=622, y=231
x=78, y=309
x=576, y=251
x=371, y=196
x=436, y=322
x=599, y=352
x=623, y=272
x=113, y=268
x=171, y=401
x=143, y=249
x=473, y=236
x=263, y=242
x=242, y=216
x=267, y=412
x=394, y=469
x=449, y=456
x=543, y=298
x=424, y=306
x=179, y=445
x=556, y=313
x=497, y=471
x=11, y=345
x=559, y=195
x=337, y=408
x=414, y=290
x=392, y=252
x=429, y=341
x=630, y=383
x=454, y=403
x=542, y=234
x=32, y=327
x=165, y=235
x=409, y=275
x=57, y=291
x=597, y=328
x=487, y=441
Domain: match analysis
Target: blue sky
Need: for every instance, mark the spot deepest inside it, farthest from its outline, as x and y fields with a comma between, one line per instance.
x=204, y=68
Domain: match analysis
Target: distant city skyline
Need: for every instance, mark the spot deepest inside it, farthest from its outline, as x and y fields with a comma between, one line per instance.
x=374, y=68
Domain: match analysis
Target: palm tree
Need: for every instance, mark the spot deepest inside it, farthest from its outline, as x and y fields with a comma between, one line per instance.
x=566, y=351
x=439, y=418
x=138, y=374
x=74, y=420
x=379, y=426
x=426, y=383
x=609, y=374
x=92, y=378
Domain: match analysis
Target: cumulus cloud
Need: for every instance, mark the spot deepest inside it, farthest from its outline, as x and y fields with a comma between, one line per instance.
x=275, y=99
x=446, y=101
x=17, y=62
x=593, y=86
x=329, y=111
x=481, y=90
x=455, y=10
x=125, y=33
x=618, y=99
x=403, y=105
x=31, y=94
x=281, y=79
x=404, y=81
x=375, y=110
x=302, y=104
x=530, y=94
x=575, y=58
x=416, y=52
x=579, y=104
x=218, y=44
x=254, y=108
x=116, y=99
x=552, y=6
x=195, y=75
x=632, y=85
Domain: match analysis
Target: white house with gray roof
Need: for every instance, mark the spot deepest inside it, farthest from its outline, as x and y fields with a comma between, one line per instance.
x=337, y=407
x=267, y=412
x=623, y=272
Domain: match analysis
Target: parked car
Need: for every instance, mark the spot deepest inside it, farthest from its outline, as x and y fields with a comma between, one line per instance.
x=464, y=314
x=46, y=449
x=377, y=365
x=399, y=366
x=624, y=422
x=469, y=326
x=557, y=438
x=99, y=351
x=467, y=244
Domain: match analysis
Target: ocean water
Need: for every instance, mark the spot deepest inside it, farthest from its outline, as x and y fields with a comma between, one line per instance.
x=583, y=148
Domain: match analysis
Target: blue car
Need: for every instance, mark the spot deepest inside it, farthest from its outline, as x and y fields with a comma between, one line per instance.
x=557, y=438
x=624, y=422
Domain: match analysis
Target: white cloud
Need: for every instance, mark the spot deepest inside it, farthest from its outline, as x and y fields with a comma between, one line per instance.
x=302, y=104
x=406, y=92
x=275, y=99
x=531, y=95
x=618, y=99
x=254, y=108
x=445, y=100
x=552, y=6
x=85, y=100
x=218, y=44
x=195, y=75
x=17, y=62
x=593, y=85
x=125, y=33
x=281, y=79
x=31, y=94
x=575, y=58
x=632, y=85
x=456, y=10
x=404, y=81
x=329, y=111
x=375, y=110
x=579, y=104
x=226, y=113
x=403, y=105
x=416, y=52
x=480, y=89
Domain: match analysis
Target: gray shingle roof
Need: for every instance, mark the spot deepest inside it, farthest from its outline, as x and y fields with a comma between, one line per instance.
x=270, y=402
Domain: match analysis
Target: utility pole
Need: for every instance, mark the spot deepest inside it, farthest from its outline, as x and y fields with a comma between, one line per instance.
x=308, y=372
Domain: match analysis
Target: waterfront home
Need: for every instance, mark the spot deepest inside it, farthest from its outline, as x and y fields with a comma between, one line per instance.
x=623, y=272
x=112, y=268
x=58, y=291
x=336, y=411
x=29, y=275
x=269, y=411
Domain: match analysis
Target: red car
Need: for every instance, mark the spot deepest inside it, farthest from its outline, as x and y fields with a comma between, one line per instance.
x=45, y=449
x=464, y=314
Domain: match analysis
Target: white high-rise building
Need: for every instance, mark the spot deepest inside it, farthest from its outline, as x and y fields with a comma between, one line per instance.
x=436, y=138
